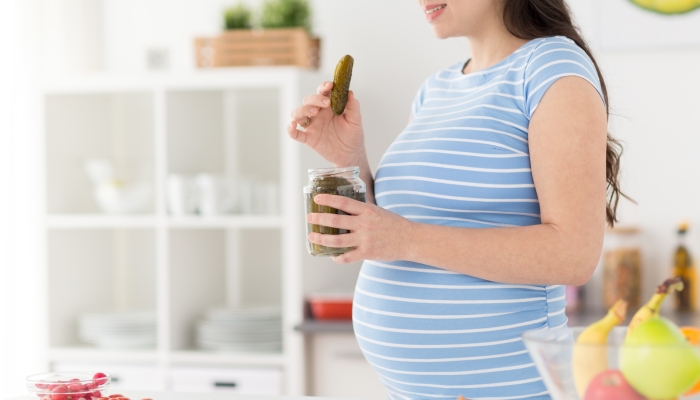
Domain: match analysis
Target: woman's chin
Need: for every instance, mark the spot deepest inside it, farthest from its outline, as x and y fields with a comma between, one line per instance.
x=440, y=32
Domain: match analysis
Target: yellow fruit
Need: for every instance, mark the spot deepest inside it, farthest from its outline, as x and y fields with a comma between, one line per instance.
x=668, y=6
x=652, y=307
x=590, y=356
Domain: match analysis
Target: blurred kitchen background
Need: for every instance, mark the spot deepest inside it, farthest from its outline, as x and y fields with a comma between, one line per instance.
x=151, y=215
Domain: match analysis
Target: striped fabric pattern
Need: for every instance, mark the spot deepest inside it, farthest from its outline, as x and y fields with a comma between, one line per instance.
x=464, y=161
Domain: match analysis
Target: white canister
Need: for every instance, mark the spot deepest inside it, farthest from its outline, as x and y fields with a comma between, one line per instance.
x=182, y=194
x=217, y=194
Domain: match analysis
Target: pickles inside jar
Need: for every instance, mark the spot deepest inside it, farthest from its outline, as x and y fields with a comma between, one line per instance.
x=337, y=181
x=341, y=84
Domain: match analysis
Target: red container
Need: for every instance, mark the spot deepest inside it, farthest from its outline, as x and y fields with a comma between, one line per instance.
x=331, y=306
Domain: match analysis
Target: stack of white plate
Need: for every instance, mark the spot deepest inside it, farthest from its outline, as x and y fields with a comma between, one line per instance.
x=253, y=329
x=124, y=330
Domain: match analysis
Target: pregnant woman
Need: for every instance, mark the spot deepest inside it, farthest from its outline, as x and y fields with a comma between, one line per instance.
x=493, y=198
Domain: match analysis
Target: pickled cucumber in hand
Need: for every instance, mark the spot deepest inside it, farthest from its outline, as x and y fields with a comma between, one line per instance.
x=341, y=84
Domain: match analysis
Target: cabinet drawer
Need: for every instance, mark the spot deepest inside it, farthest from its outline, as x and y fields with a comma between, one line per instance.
x=266, y=381
x=124, y=377
x=340, y=370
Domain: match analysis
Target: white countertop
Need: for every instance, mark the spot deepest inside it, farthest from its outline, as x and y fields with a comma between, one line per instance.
x=193, y=396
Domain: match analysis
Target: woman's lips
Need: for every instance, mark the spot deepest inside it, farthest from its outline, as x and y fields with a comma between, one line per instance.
x=433, y=11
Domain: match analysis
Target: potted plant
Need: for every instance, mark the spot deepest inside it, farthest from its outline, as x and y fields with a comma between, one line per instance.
x=237, y=17
x=283, y=40
x=286, y=14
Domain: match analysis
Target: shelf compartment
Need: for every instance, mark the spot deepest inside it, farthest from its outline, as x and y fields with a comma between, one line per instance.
x=92, y=271
x=213, y=268
x=230, y=133
x=116, y=127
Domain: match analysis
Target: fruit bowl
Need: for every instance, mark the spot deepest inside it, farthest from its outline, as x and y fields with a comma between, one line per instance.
x=68, y=385
x=553, y=353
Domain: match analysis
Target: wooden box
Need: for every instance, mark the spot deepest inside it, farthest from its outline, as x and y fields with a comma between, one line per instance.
x=247, y=47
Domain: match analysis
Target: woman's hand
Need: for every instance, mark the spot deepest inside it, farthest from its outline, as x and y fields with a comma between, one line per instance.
x=375, y=233
x=337, y=138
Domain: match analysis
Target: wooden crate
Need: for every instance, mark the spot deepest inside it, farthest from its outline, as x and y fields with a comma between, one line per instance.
x=258, y=47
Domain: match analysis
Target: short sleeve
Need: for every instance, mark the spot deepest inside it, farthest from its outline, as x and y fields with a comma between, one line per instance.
x=419, y=99
x=553, y=59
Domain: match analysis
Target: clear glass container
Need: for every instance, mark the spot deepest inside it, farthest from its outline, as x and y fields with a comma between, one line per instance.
x=671, y=367
x=622, y=267
x=338, y=181
x=76, y=385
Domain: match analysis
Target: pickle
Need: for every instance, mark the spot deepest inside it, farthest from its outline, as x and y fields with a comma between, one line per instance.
x=341, y=84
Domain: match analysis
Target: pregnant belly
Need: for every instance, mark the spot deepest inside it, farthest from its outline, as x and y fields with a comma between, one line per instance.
x=432, y=332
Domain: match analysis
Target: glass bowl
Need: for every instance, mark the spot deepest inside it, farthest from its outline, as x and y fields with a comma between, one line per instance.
x=553, y=354
x=77, y=385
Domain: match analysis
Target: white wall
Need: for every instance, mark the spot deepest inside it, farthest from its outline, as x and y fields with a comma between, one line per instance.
x=653, y=94
x=23, y=322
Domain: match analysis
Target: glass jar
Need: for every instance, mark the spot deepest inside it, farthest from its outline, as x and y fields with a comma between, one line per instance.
x=338, y=181
x=622, y=267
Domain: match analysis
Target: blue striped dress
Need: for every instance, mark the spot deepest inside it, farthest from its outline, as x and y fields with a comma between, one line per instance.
x=464, y=161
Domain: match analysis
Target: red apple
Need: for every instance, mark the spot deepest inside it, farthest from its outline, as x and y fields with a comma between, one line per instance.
x=611, y=384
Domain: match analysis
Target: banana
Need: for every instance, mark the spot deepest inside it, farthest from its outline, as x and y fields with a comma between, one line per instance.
x=590, y=355
x=652, y=307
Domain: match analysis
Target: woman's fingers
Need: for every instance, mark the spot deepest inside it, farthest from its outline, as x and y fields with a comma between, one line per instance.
x=311, y=107
x=349, y=257
x=317, y=100
x=332, y=220
x=324, y=89
x=300, y=114
x=337, y=241
x=296, y=134
x=350, y=206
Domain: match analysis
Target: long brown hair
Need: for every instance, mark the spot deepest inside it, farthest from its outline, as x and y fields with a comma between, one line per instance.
x=532, y=19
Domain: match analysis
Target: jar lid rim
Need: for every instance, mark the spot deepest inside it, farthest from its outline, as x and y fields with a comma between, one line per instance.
x=330, y=171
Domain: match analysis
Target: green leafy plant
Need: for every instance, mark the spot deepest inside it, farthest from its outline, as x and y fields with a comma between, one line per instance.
x=286, y=14
x=237, y=17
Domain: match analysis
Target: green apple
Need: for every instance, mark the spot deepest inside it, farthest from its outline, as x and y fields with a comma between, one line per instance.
x=658, y=361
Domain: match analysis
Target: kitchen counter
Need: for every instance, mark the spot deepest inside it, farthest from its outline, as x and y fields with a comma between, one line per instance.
x=311, y=327
x=193, y=396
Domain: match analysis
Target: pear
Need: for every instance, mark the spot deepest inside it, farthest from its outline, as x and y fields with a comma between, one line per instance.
x=658, y=361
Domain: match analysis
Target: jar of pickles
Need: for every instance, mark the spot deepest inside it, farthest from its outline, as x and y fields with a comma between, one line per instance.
x=338, y=181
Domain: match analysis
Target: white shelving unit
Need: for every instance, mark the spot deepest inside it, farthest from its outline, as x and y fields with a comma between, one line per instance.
x=222, y=121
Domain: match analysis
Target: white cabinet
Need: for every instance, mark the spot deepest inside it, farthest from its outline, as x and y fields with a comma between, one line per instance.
x=338, y=369
x=230, y=380
x=229, y=121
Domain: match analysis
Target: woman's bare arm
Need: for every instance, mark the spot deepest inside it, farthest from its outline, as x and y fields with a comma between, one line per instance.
x=567, y=139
